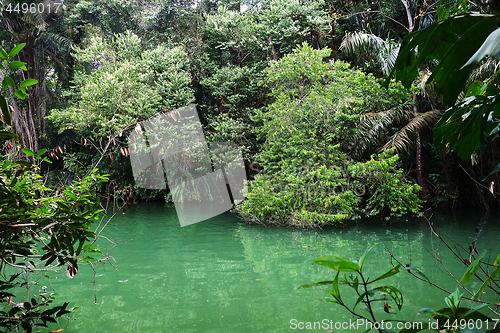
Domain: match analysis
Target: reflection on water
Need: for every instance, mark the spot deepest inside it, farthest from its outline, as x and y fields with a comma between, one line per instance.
x=224, y=276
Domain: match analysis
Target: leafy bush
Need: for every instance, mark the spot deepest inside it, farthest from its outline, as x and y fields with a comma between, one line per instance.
x=41, y=229
x=309, y=178
x=129, y=83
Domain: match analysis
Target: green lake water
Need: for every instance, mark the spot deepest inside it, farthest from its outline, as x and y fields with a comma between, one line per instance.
x=222, y=275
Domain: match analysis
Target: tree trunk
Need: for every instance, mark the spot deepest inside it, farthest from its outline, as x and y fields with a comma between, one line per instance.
x=420, y=179
x=29, y=122
x=408, y=15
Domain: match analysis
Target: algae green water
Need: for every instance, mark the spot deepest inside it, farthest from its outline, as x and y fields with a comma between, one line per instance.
x=223, y=275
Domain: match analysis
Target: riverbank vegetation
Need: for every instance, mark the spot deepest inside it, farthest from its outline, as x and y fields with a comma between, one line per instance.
x=342, y=110
x=296, y=84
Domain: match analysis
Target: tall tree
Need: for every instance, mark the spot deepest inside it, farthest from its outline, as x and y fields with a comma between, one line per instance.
x=36, y=29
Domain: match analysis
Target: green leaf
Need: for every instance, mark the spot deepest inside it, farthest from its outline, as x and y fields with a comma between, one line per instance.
x=16, y=50
x=475, y=309
x=493, y=276
x=8, y=82
x=23, y=90
x=464, y=127
x=321, y=283
x=495, y=170
x=451, y=74
x=363, y=256
x=17, y=64
x=28, y=82
x=89, y=259
x=361, y=297
x=335, y=287
x=5, y=111
x=40, y=153
x=453, y=300
x=391, y=272
x=341, y=265
x=3, y=54
x=497, y=261
x=28, y=152
x=452, y=42
x=395, y=294
x=417, y=272
x=19, y=94
x=7, y=135
x=473, y=267
x=490, y=47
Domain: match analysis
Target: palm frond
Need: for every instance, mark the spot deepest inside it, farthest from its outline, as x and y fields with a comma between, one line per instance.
x=35, y=20
x=402, y=139
x=357, y=43
x=57, y=43
x=371, y=48
x=387, y=57
x=372, y=125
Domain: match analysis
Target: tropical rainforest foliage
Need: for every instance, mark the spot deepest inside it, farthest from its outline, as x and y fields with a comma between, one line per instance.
x=102, y=67
x=296, y=84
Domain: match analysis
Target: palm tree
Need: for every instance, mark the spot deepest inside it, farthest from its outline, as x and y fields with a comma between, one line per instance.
x=406, y=118
x=370, y=48
x=409, y=124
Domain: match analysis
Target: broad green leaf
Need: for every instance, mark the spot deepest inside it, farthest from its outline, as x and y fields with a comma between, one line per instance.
x=340, y=264
x=28, y=82
x=480, y=88
x=28, y=152
x=493, y=276
x=391, y=272
x=452, y=42
x=19, y=94
x=5, y=111
x=3, y=54
x=432, y=43
x=475, y=309
x=23, y=90
x=7, y=81
x=490, y=47
x=16, y=50
x=451, y=75
x=40, y=153
x=453, y=300
x=17, y=64
x=464, y=127
x=473, y=267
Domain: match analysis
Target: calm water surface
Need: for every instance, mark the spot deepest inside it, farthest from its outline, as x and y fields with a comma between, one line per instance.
x=222, y=275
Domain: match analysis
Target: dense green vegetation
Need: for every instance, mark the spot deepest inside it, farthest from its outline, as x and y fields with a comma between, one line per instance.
x=296, y=84
x=309, y=178
x=240, y=63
